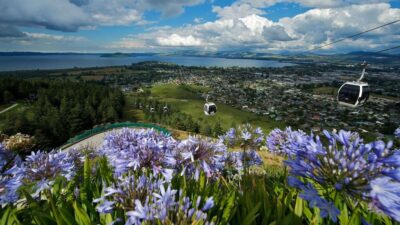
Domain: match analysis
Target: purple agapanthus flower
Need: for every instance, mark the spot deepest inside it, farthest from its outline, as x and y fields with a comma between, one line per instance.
x=345, y=165
x=40, y=165
x=158, y=208
x=385, y=194
x=197, y=154
x=283, y=142
x=131, y=149
x=397, y=133
x=236, y=160
x=9, y=185
x=244, y=136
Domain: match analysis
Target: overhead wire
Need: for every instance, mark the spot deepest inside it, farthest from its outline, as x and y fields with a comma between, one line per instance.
x=355, y=35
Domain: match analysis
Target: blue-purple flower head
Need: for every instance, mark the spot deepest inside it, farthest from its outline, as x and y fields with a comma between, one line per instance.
x=385, y=195
x=151, y=200
x=130, y=149
x=244, y=135
x=9, y=185
x=128, y=187
x=197, y=154
x=41, y=166
x=345, y=165
x=397, y=133
x=284, y=142
x=237, y=160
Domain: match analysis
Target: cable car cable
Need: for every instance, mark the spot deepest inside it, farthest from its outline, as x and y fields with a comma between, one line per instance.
x=384, y=50
x=355, y=35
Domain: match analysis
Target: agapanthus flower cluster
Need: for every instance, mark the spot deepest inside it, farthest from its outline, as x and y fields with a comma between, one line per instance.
x=244, y=136
x=397, y=133
x=42, y=168
x=9, y=184
x=346, y=166
x=281, y=142
x=149, y=199
x=167, y=206
x=125, y=190
x=39, y=170
x=130, y=149
x=197, y=154
x=237, y=160
x=129, y=152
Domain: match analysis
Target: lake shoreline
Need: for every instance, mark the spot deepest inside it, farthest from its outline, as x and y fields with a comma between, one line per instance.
x=64, y=62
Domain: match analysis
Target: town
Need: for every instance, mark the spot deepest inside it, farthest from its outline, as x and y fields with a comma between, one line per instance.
x=302, y=96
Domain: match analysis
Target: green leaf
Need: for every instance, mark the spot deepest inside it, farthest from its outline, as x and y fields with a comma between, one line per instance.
x=5, y=219
x=298, y=209
x=344, y=215
x=81, y=216
x=251, y=216
x=230, y=204
x=67, y=216
x=87, y=193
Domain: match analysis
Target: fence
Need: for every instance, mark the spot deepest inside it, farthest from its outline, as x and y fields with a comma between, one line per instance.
x=102, y=128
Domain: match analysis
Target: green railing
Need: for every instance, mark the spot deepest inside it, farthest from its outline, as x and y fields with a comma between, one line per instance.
x=102, y=128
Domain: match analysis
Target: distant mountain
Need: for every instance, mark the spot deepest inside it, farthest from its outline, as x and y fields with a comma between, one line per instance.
x=372, y=54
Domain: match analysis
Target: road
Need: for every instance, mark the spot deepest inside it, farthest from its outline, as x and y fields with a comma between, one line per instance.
x=9, y=108
x=92, y=142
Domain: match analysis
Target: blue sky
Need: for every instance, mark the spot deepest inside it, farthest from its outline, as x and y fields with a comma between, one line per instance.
x=203, y=25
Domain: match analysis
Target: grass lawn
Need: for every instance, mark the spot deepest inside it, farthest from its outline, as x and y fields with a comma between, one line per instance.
x=188, y=99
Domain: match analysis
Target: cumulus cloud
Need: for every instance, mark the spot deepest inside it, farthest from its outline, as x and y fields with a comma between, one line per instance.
x=299, y=33
x=50, y=37
x=236, y=10
x=309, y=3
x=71, y=15
x=51, y=14
x=169, y=7
x=276, y=33
x=178, y=40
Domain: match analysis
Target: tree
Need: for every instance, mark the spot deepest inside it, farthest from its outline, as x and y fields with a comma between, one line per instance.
x=218, y=130
x=207, y=130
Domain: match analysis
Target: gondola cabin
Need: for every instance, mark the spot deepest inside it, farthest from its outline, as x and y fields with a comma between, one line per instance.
x=353, y=94
x=210, y=109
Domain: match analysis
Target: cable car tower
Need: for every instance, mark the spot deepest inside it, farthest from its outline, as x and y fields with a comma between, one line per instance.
x=354, y=93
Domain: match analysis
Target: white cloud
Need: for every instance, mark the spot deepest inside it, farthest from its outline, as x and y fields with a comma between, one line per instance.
x=236, y=10
x=51, y=14
x=309, y=3
x=299, y=33
x=178, y=40
x=50, y=37
x=72, y=15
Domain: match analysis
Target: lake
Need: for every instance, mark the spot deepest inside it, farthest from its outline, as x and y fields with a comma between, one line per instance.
x=45, y=62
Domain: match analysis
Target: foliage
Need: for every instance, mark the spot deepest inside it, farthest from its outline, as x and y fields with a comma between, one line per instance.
x=52, y=106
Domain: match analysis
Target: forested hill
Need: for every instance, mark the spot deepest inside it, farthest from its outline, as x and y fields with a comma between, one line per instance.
x=54, y=111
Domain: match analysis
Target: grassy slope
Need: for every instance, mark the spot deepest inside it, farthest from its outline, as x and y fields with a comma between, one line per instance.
x=188, y=99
